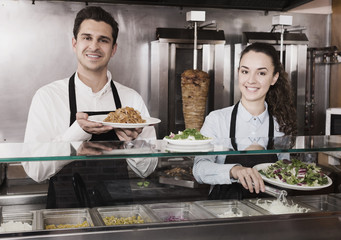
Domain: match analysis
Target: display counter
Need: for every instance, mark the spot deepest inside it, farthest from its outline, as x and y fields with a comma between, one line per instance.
x=160, y=199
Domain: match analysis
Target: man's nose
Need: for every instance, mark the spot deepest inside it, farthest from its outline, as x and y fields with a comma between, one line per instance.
x=94, y=44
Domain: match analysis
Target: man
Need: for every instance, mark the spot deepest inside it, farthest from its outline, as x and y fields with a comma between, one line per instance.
x=60, y=110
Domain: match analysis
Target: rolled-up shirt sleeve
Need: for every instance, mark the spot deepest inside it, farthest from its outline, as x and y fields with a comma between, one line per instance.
x=207, y=170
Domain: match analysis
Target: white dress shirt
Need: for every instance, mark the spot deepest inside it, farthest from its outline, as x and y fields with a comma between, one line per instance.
x=49, y=118
x=249, y=130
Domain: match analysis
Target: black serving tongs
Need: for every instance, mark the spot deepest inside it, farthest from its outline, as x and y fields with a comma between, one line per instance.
x=81, y=191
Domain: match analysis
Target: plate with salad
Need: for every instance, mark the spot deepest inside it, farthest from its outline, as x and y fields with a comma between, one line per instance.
x=188, y=137
x=294, y=174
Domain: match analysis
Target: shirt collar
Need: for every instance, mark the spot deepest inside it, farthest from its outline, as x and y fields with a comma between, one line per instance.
x=79, y=84
x=248, y=116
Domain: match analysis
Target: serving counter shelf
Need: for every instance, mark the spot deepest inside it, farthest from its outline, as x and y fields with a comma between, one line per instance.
x=155, y=203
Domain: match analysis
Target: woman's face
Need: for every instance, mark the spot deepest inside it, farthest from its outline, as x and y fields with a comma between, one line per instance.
x=256, y=75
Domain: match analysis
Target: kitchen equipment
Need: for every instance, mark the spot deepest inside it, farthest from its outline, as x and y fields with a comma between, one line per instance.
x=321, y=202
x=228, y=208
x=178, y=211
x=273, y=206
x=64, y=218
x=29, y=218
x=125, y=214
x=171, y=55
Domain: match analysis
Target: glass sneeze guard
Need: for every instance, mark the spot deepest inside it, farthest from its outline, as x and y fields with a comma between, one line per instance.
x=14, y=152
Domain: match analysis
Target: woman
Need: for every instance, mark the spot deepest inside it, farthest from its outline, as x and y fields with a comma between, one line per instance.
x=266, y=110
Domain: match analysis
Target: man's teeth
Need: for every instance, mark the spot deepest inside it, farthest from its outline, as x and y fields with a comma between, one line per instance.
x=93, y=56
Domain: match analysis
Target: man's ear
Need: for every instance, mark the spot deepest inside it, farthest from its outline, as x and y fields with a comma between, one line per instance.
x=114, y=50
x=74, y=43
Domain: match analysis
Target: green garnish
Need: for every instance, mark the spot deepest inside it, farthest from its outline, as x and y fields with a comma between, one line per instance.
x=188, y=134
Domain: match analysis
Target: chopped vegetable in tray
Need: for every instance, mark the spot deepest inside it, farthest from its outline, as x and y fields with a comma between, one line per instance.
x=188, y=134
x=295, y=172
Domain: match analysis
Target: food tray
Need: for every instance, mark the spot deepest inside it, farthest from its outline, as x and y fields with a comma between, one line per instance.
x=321, y=202
x=65, y=218
x=228, y=209
x=178, y=182
x=25, y=217
x=268, y=211
x=129, y=214
x=336, y=195
x=181, y=211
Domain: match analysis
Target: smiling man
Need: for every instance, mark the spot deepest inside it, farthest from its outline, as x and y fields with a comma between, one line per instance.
x=59, y=111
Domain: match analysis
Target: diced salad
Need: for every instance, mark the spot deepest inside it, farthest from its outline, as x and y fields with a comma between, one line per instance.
x=187, y=134
x=295, y=172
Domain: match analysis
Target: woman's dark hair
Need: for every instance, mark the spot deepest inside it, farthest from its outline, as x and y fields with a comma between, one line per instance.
x=98, y=14
x=280, y=95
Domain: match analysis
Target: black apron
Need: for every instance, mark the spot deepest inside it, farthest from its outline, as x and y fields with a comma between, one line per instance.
x=81, y=183
x=236, y=190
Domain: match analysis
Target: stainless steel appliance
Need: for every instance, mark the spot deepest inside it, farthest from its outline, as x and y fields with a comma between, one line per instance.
x=171, y=54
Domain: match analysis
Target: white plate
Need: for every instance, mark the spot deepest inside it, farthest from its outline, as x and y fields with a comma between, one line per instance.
x=189, y=148
x=289, y=186
x=100, y=118
x=188, y=142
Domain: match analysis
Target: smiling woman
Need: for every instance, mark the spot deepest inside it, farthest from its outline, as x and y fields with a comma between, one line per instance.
x=265, y=111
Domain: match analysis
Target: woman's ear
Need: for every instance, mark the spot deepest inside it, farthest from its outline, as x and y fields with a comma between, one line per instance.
x=275, y=78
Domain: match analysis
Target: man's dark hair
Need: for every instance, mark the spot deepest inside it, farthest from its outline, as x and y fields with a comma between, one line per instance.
x=98, y=14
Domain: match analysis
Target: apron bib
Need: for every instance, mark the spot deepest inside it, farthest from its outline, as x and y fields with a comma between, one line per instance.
x=81, y=183
x=236, y=190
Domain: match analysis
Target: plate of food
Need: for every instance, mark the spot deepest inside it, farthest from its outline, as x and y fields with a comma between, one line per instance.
x=188, y=137
x=294, y=174
x=124, y=118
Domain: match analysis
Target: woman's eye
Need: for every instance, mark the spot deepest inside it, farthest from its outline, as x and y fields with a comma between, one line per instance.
x=244, y=71
x=262, y=73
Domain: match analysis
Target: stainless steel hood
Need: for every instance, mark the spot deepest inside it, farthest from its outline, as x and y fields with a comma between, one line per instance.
x=267, y=5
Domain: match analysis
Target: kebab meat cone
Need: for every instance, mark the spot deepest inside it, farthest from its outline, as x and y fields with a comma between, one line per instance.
x=194, y=88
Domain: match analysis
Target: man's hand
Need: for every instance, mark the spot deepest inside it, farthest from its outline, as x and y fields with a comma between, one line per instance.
x=128, y=134
x=248, y=177
x=92, y=148
x=89, y=126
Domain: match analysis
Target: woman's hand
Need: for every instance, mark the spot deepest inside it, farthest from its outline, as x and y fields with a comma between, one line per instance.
x=249, y=178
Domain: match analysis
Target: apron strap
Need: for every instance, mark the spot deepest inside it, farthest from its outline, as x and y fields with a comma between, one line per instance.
x=72, y=99
x=233, y=128
x=73, y=103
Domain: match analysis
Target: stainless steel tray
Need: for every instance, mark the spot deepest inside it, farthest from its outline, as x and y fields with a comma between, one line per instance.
x=64, y=218
x=321, y=202
x=269, y=210
x=180, y=211
x=128, y=214
x=25, y=217
x=228, y=208
x=178, y=182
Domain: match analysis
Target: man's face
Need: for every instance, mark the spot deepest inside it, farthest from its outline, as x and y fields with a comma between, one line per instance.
x=94, y=45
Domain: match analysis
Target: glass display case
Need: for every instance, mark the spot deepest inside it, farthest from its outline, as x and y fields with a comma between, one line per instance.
x=158, y=197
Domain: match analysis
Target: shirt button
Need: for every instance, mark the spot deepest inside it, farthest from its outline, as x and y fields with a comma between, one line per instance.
x=254, y=119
